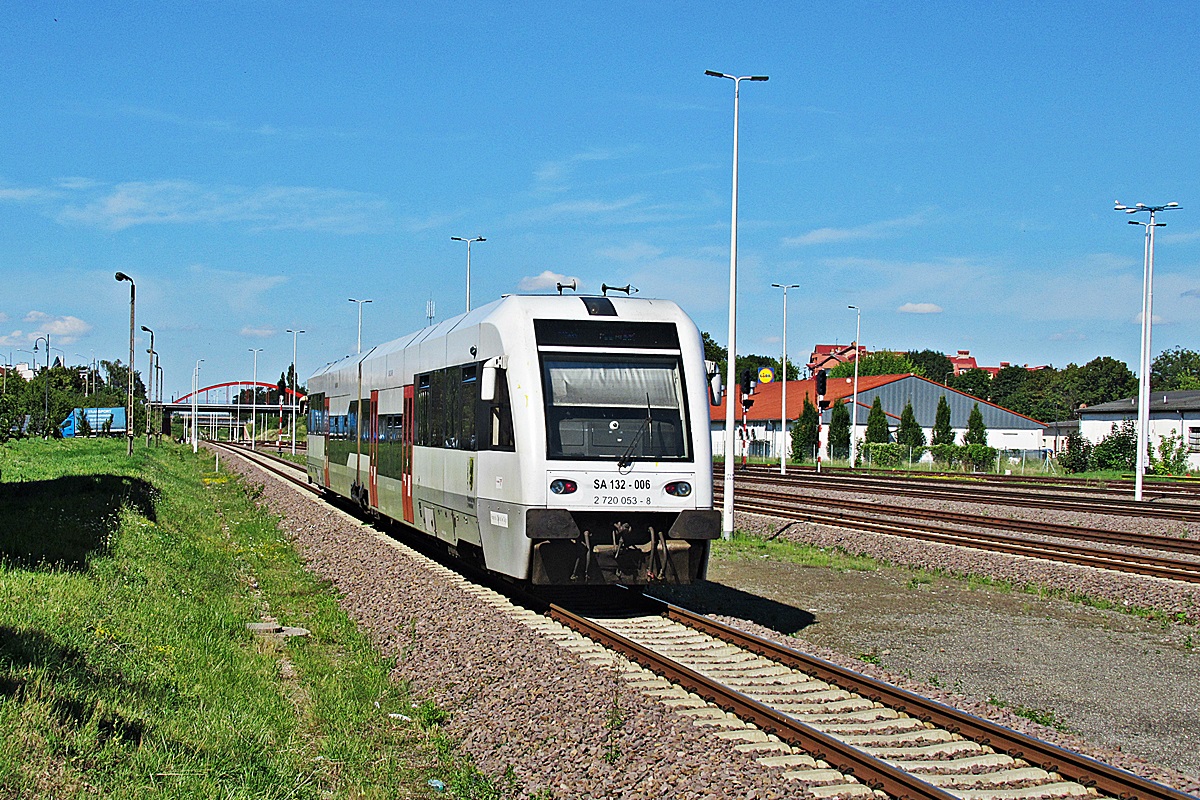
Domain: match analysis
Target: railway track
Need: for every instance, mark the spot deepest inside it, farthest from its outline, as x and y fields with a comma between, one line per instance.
x=1154, y=487
x=856, y=735
x=888, y=739
x=793, y=507
x=960, y=491
x=1148, y=541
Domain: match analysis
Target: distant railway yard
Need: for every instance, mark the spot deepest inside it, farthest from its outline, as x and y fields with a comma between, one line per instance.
x=863, y=636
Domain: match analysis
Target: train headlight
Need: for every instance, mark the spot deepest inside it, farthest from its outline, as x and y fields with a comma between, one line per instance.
x=678, y=489
x=563, y=486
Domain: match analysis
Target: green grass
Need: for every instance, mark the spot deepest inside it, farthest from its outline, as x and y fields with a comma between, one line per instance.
x=745, y=546
x=126, y=669
x=1038, y=715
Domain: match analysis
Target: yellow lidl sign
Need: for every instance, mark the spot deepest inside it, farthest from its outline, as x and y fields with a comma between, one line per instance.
x=766, y=375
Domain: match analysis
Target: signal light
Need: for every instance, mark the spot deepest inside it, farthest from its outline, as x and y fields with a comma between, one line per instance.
x=821, y=381
x=678, y=489
x=563, y=486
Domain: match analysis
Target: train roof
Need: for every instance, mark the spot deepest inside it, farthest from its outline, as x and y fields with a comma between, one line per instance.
x=546, y=306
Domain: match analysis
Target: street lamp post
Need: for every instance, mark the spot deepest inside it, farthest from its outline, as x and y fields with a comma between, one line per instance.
x=121, y=276
x=854, y=401
x=46, y=381
x=783, y=442
x=731, y=367
x=294, y=334
x=1147, y=316
x=360, y=305
x=195, y=408
x=150, y=388
x=254, y=398
x=159, y=372
x=468, y=241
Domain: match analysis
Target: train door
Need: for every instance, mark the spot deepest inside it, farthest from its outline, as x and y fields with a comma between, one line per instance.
x=325, y=425
x=373, y=451
x=406, y=452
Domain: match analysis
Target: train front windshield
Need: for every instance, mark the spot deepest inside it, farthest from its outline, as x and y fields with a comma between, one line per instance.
x=627, y=408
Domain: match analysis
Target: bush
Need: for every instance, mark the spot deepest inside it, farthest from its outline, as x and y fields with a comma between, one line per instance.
x=979, y=457
x=885, y=455
x=1077, y=455
x=949, y=454
x=1172, y=455
x=1118, y=450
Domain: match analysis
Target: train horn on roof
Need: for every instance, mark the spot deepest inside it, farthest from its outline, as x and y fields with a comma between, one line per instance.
x=572, y=286
x=627, y=289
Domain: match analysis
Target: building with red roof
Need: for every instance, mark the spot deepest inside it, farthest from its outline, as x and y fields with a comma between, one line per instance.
x=761, y=433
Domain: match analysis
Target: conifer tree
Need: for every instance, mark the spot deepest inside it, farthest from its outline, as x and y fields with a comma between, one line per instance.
x=976, y=432
x=942, y=432
x=839, y=430
x=910, y=433
x=877, y=424
x=804, y=433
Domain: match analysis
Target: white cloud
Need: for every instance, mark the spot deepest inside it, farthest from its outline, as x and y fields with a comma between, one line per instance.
x=257, y=333
x=872, y=230
x=920, y=308
x=242, y=291
x=266, y=207
x=62, y=330
x=552, y=175
x=547, y=280
x=17, y=195
x=574, y=208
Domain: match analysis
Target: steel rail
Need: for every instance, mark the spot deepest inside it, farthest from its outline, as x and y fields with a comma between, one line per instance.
x=1148, y=541
x=1089, y=772
x=1173, y=569
x=1064, y=484
x=1188, y=512
x=867, y=769
x=872, y=772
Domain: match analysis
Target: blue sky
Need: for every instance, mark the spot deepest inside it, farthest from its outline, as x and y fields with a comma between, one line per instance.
x=949, y=167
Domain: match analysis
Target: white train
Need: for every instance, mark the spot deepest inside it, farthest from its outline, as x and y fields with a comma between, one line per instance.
x=556, y=440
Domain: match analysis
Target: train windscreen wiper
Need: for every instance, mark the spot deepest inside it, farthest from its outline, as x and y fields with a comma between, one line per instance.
x=626, y=460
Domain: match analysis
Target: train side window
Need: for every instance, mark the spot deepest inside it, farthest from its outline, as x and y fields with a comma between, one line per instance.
x=424, y=409
x=500, y=421
x=468, y=396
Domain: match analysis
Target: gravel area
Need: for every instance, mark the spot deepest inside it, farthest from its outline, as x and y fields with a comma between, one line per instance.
x=517, y=701
x=520, y=703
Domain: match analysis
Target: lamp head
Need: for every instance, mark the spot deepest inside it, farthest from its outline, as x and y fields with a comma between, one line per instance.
x=147, y=330
x=121, y=276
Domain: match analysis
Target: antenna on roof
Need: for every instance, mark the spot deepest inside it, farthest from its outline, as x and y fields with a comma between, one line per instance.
x=627, y=289
x=572, y=286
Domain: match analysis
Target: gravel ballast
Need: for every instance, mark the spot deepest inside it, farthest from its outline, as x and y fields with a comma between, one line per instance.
x=520, y=703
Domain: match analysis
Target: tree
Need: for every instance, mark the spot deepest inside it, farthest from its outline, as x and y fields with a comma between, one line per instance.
x=1076, y=455
x=1101, y=380
x=975, y=382
x=877, y=424
x=839, y=430
x=1175, y=370
x=714, y=352
x=1118, y=450
x=942, y=432
x=1008, y=384
x=909, y=433
x=932, y=364
x=976, y=432
x=805, y=436
x=883, y=362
